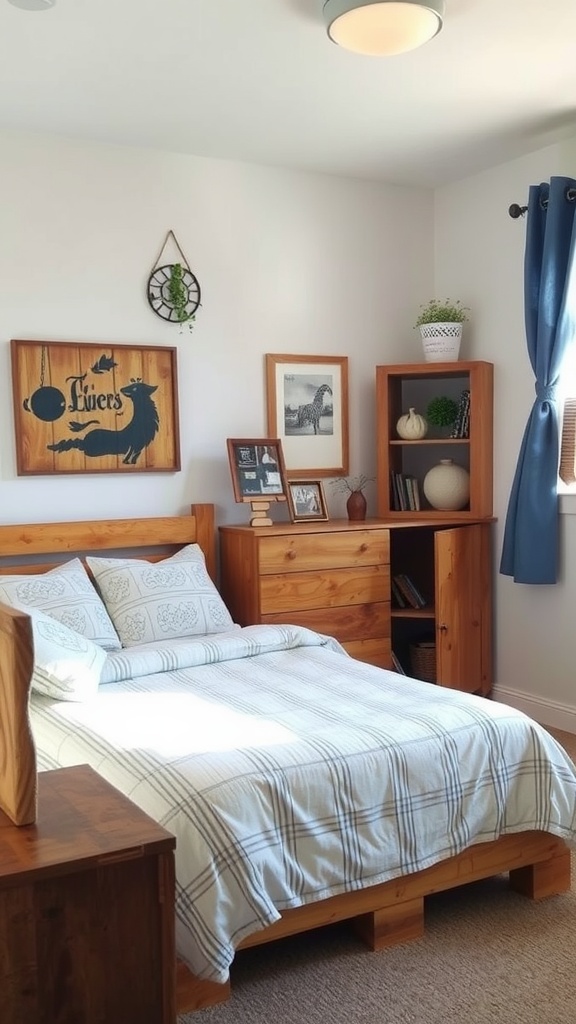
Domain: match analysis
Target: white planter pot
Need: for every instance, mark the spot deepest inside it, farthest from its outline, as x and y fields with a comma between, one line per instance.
x=441, y=342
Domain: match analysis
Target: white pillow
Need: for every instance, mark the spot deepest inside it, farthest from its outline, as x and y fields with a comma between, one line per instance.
x=68, y=595
x=67, y=666
x=151, y=601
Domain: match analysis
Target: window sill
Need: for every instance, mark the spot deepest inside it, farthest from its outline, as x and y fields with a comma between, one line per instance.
x=567, y=504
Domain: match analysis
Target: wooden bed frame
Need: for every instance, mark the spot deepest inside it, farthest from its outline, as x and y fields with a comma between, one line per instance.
x=384, y=915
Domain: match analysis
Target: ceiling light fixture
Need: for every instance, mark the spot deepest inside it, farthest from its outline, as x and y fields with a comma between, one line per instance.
x=382, y=28
x=33, y=5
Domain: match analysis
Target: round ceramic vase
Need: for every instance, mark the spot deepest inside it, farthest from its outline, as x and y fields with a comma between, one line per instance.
x=447, y=486
x=356, y=506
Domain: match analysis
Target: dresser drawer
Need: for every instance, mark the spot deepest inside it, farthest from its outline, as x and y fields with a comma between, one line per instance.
x=299, y=591
x=300, y=552
x=369, y=621
x=375, y=652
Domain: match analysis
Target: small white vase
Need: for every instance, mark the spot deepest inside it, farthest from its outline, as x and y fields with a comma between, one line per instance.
x=447, y=486
x=441, y=342
x=412, y=426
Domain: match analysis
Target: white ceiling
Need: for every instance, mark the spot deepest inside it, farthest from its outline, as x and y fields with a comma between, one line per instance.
x=259, y=80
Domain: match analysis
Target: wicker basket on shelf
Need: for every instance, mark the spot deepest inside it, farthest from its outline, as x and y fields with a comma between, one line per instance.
x=423, y=660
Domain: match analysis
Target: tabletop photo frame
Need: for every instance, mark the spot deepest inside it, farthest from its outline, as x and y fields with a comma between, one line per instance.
x=257, y=468
x=307, y=407
x=306, y=501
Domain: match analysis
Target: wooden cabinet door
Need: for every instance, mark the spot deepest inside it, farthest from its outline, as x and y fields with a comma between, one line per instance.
x=463, y=613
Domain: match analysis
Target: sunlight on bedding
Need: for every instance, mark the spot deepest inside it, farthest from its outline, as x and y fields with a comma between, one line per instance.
x=173, y=724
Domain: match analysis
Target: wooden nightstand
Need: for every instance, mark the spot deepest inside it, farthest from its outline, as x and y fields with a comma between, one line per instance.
x=333, y=577
x=86, y=909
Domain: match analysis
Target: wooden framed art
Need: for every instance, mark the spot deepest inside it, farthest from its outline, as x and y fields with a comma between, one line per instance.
x=258, y=474
x=91, y=408
x=306, y=500
x=307, y=405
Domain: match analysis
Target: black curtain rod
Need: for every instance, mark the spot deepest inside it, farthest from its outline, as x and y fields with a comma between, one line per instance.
x=516, y=211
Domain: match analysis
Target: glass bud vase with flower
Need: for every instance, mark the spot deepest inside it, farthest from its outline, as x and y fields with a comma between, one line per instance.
x=356, y=504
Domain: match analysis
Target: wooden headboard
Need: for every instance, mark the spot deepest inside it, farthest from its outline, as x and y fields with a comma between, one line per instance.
x=58, y=542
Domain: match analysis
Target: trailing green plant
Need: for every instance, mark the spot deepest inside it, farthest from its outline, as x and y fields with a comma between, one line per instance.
x=442, y=311
x=178, y=295
x=442, y=411
x=352, y=483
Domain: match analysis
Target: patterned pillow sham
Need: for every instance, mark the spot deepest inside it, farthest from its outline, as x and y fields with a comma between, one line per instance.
x=68, y=595
x=151, y=601
x=67, y=666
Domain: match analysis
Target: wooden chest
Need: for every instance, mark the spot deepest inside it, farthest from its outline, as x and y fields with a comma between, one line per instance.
x=332, y=577
x=86, y=909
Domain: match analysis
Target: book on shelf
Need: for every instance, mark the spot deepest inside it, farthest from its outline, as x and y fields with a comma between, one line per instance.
x=397, y=595
x=409, y=590
x=396, y=665
x=405, y=492
x=461, y=425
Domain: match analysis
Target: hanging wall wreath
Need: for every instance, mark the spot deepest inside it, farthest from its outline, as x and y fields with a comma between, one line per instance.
x=173, y=290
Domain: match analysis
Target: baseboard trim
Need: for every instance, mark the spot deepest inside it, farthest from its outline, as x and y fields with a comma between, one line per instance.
x=547, y=712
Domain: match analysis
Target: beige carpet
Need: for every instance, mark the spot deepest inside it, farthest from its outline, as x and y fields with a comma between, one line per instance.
x=488, y=956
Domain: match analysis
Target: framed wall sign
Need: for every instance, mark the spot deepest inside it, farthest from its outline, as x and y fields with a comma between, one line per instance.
x=306, y=500
x=307, y=405
x=90, y=408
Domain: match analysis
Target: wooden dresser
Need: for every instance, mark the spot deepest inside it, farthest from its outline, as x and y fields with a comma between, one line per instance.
x=333, y=577
x=86, y=909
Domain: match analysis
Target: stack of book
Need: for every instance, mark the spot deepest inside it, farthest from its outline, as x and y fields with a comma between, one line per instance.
x=461, y=426
x=405, y=593
x=405, y=492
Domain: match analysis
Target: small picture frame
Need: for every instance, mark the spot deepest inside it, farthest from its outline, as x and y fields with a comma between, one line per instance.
x=306, y=500
x=257, y=468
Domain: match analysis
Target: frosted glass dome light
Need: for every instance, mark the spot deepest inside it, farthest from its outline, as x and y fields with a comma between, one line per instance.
x=383, y=28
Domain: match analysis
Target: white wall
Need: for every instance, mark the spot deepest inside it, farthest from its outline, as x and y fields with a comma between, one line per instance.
x=479, y=255
x=287, y=263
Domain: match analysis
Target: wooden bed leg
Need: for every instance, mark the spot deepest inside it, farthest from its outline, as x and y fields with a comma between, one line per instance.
x=194, y=993
x=389, y=926
x=546, y=878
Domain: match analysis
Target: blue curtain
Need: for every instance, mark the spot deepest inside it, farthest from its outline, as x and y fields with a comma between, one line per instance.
x=530, y=548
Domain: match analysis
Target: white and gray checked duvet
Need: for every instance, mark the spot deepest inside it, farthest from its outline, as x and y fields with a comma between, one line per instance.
x=290, y=772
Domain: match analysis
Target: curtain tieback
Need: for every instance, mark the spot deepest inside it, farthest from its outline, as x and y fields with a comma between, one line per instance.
x=546, y=392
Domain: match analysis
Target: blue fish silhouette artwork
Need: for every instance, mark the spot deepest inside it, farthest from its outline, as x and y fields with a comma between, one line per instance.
x=130, y=441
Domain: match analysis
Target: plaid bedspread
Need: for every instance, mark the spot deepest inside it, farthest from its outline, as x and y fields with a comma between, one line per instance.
x=290, y=772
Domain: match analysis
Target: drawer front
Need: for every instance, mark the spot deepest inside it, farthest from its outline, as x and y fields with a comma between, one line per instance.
x=355, y=622
x=375, y=652
x=299, y=591
x=310, y=551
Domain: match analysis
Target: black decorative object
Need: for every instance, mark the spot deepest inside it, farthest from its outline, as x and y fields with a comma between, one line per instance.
x=173, y=290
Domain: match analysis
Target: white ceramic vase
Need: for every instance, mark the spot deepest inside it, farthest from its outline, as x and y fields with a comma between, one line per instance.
x=441, y=342
x=447, y=486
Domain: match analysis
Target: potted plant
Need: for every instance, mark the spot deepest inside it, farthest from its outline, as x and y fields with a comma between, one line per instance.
x=442, y=411
x=179, y=297
x=440, y=322
x=356, y=503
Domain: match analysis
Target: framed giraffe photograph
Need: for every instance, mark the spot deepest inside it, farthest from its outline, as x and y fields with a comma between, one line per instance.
x=307, y=406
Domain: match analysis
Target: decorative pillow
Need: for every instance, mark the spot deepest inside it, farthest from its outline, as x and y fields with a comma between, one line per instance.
x=68, y=595
x=151, y=601
x=67, y=666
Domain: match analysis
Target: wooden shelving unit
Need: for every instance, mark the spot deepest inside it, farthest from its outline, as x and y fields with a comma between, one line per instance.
x=402, y=386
